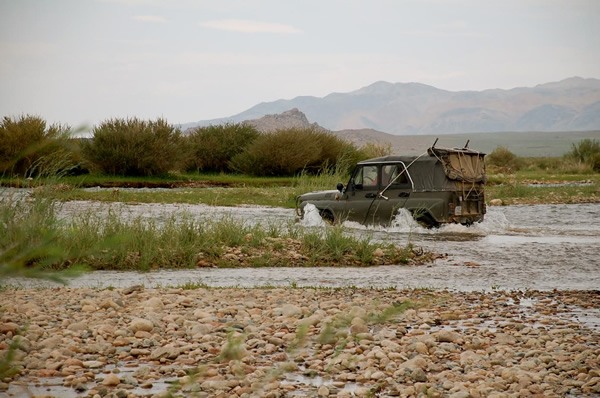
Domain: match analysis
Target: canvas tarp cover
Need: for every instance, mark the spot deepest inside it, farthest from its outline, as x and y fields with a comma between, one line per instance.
x=461, y=165
x=427, y=174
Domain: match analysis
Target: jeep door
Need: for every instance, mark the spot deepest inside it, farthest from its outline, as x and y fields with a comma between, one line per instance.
x=395, y=188
x=365, y=204
x=362, y=189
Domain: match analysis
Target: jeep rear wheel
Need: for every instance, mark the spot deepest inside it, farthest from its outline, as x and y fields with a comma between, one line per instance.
x=426, y=220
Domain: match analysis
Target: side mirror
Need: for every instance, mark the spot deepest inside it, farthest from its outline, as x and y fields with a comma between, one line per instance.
x=340, y=187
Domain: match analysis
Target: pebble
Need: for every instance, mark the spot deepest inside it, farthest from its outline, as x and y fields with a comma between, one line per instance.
x=141, y=325
x=111, y=380
x=303, y=342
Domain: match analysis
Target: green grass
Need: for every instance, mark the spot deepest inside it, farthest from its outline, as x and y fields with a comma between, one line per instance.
x=514, y=188
x=36, y=241
x=550, y=176
x=520, y=193
x=545, y=181
x=165, y=181
x=209, y=189
x=233, y=189
x=267, y=196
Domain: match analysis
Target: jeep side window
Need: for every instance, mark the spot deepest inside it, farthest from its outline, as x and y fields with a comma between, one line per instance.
x=366, y=177
x=393, y=173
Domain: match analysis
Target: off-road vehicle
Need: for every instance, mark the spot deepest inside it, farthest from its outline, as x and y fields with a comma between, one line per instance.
x=443, y=185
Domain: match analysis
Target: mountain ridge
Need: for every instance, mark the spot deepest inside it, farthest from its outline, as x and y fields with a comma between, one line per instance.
x=533, y=143
x=571, y=104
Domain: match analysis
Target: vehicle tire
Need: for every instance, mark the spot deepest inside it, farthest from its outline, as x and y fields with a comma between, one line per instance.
x=426, y=220
x=327, y=216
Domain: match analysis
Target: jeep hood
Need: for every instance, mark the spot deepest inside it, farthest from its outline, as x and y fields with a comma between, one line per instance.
x=319, y=195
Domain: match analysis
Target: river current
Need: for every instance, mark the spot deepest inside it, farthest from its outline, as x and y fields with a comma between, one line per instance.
x=540, y=247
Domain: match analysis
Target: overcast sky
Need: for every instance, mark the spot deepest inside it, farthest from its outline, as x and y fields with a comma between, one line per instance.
x=84, y=61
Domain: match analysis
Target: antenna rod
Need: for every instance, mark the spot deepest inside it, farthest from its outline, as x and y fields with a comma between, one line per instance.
x=435, y=142
x=467, y=144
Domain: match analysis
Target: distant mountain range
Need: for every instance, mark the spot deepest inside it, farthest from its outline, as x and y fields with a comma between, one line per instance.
x=417, y=109
x=523, y=144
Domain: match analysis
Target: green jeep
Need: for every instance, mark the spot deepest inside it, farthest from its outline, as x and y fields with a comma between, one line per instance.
x=443, y=185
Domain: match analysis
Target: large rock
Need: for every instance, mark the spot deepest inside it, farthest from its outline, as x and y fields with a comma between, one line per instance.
x=153, y=304
x=141, y=325
x=417, y=362
x=111, y=380
x=288, y=311
x=169, y=352
x=447, y=336
x=8, y=327
x=78, y=326
x=470, y=358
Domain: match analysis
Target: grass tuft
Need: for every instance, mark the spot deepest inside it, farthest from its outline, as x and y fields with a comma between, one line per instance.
x=36, y=240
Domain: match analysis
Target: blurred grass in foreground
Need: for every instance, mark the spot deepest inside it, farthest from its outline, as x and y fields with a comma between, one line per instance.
x=36, y=242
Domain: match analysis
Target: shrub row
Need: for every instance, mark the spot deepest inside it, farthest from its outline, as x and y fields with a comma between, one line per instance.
x=586, y=152
x=291, y=151
x=210, y=149
x=133, y=147
x=584, y=157
x=28, y=147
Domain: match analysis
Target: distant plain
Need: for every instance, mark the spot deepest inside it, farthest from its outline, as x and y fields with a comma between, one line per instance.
x=525, y=144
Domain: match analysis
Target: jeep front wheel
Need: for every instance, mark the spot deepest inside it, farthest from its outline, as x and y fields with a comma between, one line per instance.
x=327, y=216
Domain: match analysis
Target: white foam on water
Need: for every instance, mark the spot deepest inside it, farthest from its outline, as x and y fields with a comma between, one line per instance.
x=493, y=221
x=311, y=217
x=404, y=222
x=356, y=225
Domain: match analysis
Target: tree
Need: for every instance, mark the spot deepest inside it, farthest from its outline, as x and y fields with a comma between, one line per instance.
x=134, y=147
x=212, y=148
x=586, y=151
x=29, y=148
x=291, y=151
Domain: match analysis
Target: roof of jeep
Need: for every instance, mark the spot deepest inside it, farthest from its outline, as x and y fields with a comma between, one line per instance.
x=395, y=159
x=438, y=166
x=432, y=155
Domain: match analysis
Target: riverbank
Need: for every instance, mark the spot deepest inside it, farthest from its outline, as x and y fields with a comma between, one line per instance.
x=526, y=187
x=301, y=342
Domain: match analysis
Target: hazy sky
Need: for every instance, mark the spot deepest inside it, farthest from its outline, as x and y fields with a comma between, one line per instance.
x=85, y=61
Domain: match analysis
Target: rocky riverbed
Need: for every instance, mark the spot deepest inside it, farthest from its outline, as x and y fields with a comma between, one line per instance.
x=280, y=342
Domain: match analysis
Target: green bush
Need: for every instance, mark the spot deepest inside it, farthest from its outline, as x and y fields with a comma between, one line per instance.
x=586, y=151
x=29, y=148
x=336, y=154
x=503, y=160
x=134, y=147
x=291, y=151
x=211, y=148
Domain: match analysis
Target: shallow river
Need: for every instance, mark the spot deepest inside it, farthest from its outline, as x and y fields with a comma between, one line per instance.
x=540, y=247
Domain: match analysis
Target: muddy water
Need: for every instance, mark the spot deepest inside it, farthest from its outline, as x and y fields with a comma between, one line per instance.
x=540, y=247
